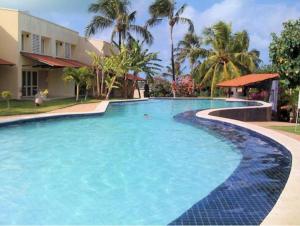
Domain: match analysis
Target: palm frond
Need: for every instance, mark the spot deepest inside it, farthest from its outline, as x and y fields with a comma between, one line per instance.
x=97, y=23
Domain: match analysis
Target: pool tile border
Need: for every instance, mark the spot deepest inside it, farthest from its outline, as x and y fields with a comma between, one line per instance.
x=251, y=191
x=286, y=209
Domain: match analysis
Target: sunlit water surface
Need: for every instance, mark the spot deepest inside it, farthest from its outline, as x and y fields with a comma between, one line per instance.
x=119, y=168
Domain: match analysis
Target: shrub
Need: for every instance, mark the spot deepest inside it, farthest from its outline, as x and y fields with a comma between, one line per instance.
x=161, y=87
x=6, y=95
x=185, y=87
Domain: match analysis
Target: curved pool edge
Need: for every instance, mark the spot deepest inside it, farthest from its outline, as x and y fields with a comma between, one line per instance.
x=286, y=209
x=99, y=110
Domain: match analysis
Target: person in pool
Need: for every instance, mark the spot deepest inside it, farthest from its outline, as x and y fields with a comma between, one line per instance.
x=146, y=116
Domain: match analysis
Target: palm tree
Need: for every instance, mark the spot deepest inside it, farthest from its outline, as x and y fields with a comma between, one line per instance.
x=161, y=9
x=179, y=70
x=189, y=48
x=80, y=76
x=116, y=66
x=248, y=60
x=97, y=65
x=143, y=61
x=111, y=83
x=115, y=14
x=228, y=58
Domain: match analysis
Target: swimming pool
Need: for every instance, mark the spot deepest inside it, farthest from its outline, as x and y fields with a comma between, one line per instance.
x=133, y=165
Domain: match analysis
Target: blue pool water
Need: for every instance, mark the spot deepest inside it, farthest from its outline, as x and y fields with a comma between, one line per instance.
x=119, y=168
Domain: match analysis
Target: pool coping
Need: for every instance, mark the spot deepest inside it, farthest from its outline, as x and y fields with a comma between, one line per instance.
x=99, y=110
x=286, y=210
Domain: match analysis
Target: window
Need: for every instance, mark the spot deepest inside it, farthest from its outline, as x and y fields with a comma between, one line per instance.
x=57, y=47
x=67, y=50
x=22, y=42
x=43, y=46
x=35, y=43
x=29, y=83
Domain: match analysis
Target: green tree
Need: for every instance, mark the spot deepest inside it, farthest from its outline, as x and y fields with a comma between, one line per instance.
x=97, y=65
x=143, y=61
x=285, y=53
x=6, y=95
x=266, y=69
x=161, y=9
x=190, y=48
x=80, y=76
x=179, y=70
x=117, y=66
x=228, y=57
x=115, y=14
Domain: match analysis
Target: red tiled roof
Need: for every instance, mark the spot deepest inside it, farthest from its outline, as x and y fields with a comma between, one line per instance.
x=4, y=62
x=54, y=62
x=247, y=80
x=133, y=77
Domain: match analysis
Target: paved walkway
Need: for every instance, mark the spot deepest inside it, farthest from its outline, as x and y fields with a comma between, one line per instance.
x=77, y=108
x=274, y=123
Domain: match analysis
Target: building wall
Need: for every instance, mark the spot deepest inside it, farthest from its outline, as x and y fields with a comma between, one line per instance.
x=92, y=45
x=9, y=75
x=13, y=24
x=57, y=87
x=43, y=28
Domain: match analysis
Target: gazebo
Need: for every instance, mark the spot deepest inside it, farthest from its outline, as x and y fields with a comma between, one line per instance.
x=252, y=86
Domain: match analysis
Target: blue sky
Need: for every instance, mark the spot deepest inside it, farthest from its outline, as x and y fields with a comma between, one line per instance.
x=258, y=17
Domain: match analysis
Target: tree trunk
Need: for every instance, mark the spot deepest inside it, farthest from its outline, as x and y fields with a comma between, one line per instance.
x=102, y=82
x=139, y=91
x=110, y=88
x=86, y=93
x=8, y=104
x=172, y=60
x=120, y=40
x=98, y=83
x=77, y=92
x=125, y=87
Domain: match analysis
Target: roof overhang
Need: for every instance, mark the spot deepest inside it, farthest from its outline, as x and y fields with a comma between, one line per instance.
x=54, y=62
x=5, y=62
x=247, y=80
x=135, y=78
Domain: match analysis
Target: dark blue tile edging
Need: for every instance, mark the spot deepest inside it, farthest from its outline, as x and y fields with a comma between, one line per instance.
x=251, y=192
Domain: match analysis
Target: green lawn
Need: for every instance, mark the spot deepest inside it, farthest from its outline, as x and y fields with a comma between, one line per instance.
x=289, y=129
x=19, y=107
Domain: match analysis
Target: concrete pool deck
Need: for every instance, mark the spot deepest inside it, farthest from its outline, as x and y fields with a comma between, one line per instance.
x=286, y=210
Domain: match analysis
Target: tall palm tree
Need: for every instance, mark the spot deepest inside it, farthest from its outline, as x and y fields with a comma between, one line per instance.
x=143, y=61
x=189, y=48
x=115, y=14
x=161, y=9
x=179, y=70
x=228, y=58
x=248, y=60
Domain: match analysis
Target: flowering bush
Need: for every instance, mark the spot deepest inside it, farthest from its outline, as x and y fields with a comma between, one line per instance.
x=185, y=86
x=161, y=87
